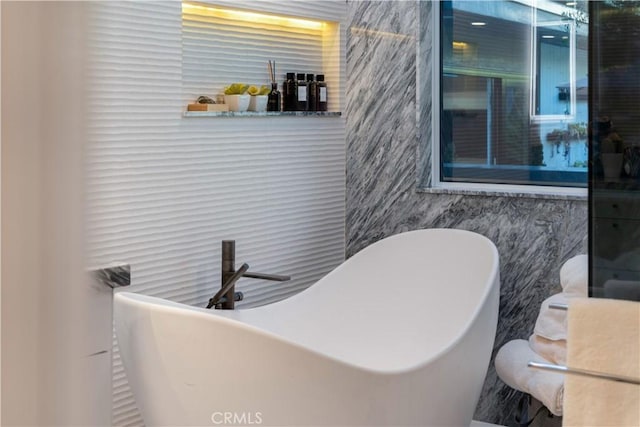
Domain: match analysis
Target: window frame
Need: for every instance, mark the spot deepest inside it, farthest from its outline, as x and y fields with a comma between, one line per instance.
x=435, y=184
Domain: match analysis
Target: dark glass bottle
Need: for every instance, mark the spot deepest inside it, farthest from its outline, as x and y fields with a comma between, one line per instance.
x=303, y=93
x=273, y=104
x=284, y=95
x=313, y=93
x=322, y=93
x=289, y=88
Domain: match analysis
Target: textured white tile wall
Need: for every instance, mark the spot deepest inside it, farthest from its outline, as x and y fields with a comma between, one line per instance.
x=164, y=190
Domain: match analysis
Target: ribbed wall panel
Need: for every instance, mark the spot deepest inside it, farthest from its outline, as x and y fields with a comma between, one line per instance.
x=164, y=190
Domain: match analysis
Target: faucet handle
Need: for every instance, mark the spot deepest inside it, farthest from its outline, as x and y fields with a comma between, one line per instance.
x=217, y=298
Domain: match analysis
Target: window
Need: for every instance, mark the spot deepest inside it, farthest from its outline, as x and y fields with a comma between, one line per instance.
x=513, y=92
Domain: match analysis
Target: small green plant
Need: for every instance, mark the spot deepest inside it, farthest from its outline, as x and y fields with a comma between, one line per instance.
x=573, y=132
x=236, y=89
x=241, y=89
x=577, y=130
x=264, y=90
x=563, y=137
x=612, y=144
x=255, y=91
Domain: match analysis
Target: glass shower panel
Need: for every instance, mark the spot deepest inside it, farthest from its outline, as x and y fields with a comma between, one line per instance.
x=614, y=154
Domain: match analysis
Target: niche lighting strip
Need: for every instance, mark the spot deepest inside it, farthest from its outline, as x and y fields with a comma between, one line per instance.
x=251, y=17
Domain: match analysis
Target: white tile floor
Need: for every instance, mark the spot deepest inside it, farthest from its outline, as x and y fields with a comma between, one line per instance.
x=475, y=423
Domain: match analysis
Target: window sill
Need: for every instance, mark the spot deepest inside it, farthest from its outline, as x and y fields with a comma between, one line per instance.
x=517, y=191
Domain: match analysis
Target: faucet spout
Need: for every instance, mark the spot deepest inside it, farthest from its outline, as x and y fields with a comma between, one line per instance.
x=263, y=276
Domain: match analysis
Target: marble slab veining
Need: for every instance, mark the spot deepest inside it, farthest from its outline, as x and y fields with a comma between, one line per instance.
x=388, y=115
x=112, y=276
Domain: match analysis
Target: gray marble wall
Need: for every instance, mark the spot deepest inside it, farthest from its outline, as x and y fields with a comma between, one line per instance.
x=387, y=71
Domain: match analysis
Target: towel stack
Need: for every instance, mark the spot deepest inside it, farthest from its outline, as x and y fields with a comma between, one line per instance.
x=549, y=338
x=547, y=344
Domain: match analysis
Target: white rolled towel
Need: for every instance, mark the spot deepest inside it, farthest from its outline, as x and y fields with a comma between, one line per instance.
x=574, y=276
x=511, y=366
x=554, y=351
x=549, y=338
x=552, y=323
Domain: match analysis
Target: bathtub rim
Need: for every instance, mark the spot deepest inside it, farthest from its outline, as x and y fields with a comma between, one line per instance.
x=492, y=285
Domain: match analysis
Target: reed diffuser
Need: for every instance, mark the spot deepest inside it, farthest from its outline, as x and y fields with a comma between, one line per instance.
x=273, y=104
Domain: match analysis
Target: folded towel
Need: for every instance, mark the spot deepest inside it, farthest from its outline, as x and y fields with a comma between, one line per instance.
x=553, y=350
x=511, y=366
x=550, y=332
x=574, y=276
x=552, y=323
x=604, y=336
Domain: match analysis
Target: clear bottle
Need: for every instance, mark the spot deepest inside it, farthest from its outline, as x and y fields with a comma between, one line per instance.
x=322, y=93
x=313, y=93
x=303, y=95
x=290, y=93
x=273, y=104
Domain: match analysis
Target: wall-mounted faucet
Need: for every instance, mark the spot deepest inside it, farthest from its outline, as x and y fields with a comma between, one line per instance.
x=226, y=297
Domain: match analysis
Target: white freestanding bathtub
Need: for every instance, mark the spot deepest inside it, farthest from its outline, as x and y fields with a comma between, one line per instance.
x=398, y=335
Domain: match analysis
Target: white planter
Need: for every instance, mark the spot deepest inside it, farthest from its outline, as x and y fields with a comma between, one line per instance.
x=611, y=165
x=237, y=102
x=258, y=103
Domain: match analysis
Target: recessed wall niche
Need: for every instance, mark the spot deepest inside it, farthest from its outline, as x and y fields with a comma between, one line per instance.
x=223, y=45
